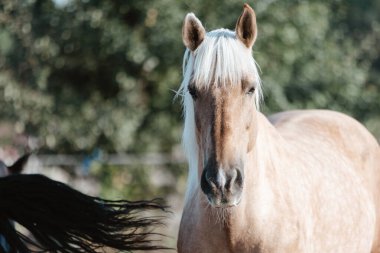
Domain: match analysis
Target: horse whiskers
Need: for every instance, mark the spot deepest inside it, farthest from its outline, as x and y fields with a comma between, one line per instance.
x=221, y=215
x=214, y=216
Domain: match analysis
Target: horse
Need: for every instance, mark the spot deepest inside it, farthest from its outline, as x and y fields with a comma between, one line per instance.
x=61, y=219
x=298, y=181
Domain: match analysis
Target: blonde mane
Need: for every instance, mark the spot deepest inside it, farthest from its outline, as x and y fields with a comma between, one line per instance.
x=220, y=59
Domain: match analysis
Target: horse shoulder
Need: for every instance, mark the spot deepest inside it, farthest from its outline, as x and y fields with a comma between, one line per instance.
x=327, y=134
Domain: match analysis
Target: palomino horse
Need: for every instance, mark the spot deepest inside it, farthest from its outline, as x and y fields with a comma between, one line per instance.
x=302, y=181
x=64, y=220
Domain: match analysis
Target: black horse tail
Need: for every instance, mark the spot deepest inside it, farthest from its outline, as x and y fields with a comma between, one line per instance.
x=61, y=219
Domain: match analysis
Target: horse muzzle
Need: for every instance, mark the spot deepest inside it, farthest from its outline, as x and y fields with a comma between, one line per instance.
x=223, y=187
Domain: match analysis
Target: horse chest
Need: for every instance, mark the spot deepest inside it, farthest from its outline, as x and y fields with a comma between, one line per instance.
x=209, y=233
x=269, y=232
x=210, y=239
x=201, y=234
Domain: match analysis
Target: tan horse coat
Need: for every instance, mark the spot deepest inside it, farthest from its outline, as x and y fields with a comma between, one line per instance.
x=298, y=182
x=309, y=167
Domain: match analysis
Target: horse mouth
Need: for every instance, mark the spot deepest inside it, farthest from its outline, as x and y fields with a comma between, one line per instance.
x=221, y=202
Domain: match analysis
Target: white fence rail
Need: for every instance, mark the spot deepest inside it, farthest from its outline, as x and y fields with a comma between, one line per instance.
x=110, y=159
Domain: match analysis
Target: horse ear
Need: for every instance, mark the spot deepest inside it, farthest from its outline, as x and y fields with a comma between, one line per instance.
x=19, y=165
x=246, y=29
x=193, y=32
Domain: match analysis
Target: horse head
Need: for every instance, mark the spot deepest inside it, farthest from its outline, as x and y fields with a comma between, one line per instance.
x=221, y=89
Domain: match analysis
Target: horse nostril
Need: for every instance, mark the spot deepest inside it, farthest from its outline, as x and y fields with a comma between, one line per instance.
x=230, y=180
x=221, y=182
x=239, y=177
x=209, y=180
x=208, y=183
x=234, y=179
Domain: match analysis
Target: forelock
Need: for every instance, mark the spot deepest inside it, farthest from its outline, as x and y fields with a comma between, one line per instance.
x=221, y=59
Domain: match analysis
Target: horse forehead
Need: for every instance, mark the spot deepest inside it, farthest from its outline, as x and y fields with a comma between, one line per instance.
x=227, y=93
x=217, y=99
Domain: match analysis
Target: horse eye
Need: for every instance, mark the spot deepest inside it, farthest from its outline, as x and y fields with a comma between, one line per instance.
x=251, y=91
x=193, y=92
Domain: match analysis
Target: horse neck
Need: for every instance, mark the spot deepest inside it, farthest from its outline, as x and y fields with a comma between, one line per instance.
x=264, y=168
x=262, y=174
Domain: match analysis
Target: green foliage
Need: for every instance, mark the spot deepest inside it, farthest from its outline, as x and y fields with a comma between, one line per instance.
x=100, y=73
x=89, y=74
x=325, y=66
x=143, y=182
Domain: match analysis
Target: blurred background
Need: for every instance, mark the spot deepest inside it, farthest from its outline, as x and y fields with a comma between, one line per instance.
x=88, y=85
